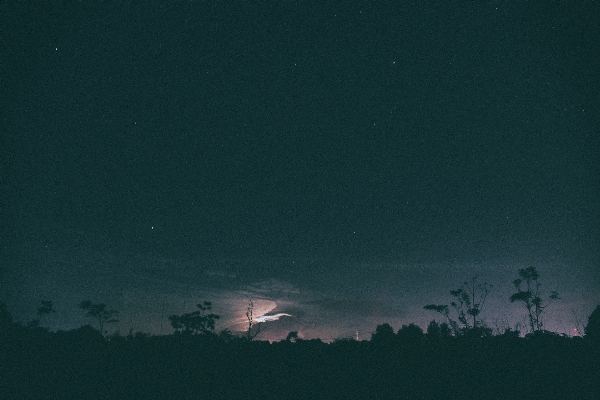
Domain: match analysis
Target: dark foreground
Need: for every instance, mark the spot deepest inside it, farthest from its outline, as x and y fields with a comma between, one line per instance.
x=82, y=364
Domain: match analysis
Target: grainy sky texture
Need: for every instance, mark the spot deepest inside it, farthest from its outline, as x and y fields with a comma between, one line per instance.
x=345, y=164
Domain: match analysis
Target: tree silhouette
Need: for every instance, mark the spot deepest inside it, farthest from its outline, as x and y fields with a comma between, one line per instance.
x=99, y=313
x=251, y=332
x=44, y=309
x=437, y=331
x=411, y=334
x=6, y=320
x=433, y=330
x=592, y=330
x=384, y=333
x=226, y=336
x=445, y=311
x=292, y=336
x=469, y=299
x=197, y=322
x=531, y=296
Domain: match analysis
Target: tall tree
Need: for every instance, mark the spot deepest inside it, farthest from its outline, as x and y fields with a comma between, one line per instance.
x=99, y=313
x=531, y=296
x=253, y=329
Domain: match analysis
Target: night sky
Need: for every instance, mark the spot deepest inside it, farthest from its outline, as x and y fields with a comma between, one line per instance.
x=342, y=164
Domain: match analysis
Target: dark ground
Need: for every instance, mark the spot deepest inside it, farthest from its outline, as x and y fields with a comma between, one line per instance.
x=36, y=364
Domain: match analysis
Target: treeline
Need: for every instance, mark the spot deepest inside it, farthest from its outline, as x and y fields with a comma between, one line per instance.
x=409, y=363
x=458, y=358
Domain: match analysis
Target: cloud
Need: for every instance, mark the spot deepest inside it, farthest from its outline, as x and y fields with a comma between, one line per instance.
x=268, y=318
x=273, y=287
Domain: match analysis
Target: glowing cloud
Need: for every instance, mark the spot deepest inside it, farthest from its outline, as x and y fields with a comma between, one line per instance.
x=268, y=318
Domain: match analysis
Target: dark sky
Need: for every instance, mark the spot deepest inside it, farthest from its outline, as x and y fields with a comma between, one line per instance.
x=344, y=164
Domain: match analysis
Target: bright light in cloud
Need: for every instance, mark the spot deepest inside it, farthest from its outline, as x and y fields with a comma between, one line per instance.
x=267, y=318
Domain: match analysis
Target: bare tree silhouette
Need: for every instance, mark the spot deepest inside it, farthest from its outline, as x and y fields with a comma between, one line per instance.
x=252, y=332
x=531, y=296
